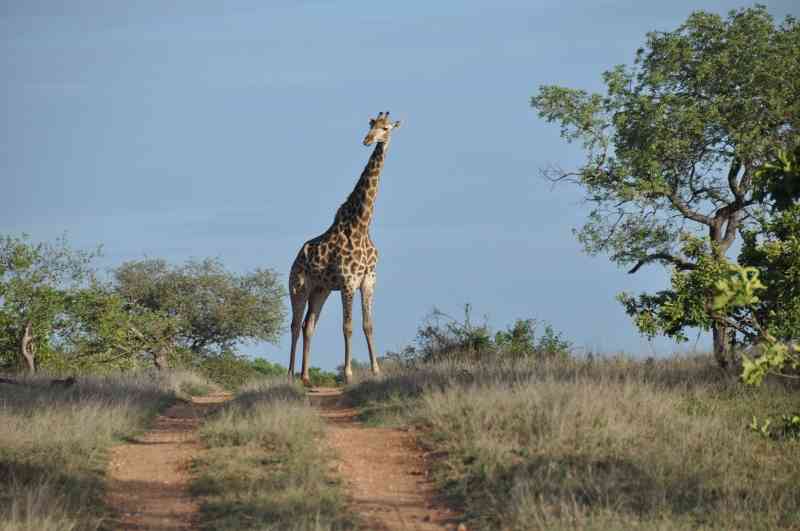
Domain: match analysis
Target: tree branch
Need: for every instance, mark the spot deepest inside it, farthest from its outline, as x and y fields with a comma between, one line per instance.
x=687, y=212
x=680, y=263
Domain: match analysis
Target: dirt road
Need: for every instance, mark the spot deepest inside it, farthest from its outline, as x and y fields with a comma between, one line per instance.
x=148, y=477
x=384, y=471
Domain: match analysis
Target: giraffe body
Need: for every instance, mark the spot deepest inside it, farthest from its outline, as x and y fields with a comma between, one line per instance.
x=343, y=259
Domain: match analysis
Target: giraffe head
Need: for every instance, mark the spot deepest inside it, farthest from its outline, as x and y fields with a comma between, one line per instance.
x=380, y=129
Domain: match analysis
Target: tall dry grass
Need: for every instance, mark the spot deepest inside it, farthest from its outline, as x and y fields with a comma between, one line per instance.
x=266, y=467
x=54, y=443
x=603, y=444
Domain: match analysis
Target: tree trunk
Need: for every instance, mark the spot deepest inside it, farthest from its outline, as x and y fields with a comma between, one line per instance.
x=160, y=359
x=722, y=343
x=26, y=348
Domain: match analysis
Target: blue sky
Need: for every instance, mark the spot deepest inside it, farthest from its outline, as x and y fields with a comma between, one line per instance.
x=191, y=129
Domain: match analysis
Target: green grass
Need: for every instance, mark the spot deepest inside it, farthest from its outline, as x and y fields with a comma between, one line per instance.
x=604, y=444
x=266, y=467
x=54, y=443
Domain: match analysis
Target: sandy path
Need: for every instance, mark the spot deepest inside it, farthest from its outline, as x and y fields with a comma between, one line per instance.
x=384, y=470
x=148, y=477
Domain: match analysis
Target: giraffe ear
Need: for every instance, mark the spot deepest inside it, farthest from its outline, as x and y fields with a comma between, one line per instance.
x=396, y=124
x=371, y=122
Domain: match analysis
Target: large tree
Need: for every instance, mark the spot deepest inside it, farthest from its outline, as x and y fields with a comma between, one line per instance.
x=212, y=308
x=672, y=150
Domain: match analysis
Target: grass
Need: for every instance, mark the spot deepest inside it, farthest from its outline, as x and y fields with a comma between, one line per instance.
x=597, y=444
x=54, y=442
x=265, y=467
x=186, y=384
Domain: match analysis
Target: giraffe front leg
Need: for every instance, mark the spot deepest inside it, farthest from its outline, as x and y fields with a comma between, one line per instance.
x=347, y=330
x=367, y=291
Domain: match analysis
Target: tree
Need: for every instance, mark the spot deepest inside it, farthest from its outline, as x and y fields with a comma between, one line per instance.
x=36, y=281
x=103, y=329
x=672, y=150
x=212, y=308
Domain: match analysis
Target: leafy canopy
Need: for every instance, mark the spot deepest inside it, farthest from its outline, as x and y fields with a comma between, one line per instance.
x=213, y=308
x=674, y=148
x=36, y=281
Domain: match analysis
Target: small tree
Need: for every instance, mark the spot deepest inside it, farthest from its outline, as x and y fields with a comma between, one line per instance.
x=36, y=281
x=104, y=330
x=212, y=308
x=672, y=151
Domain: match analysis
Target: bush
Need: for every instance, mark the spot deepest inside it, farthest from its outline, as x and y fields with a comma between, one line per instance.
x=232, y=371
x=441, y=337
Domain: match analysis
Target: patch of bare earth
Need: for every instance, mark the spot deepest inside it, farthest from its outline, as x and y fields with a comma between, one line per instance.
x=148, y=477
x=384, y=470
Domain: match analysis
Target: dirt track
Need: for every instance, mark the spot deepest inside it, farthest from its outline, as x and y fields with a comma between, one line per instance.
x=384, y=471
x=148, y=477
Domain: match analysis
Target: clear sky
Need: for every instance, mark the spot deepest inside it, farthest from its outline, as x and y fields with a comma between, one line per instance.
x=189, y=129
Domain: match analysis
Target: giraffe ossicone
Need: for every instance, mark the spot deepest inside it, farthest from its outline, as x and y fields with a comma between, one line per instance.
x=343, y=258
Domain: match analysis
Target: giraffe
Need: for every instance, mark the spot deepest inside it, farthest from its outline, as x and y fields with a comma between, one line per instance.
x=343, y=259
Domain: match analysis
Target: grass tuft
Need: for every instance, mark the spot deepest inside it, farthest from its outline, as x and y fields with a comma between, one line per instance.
x=266, y=468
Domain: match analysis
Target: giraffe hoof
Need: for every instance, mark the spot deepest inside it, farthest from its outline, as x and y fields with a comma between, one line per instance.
x=307, y=381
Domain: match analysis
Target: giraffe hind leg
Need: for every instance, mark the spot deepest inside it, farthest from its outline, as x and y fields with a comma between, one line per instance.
x=299, y=298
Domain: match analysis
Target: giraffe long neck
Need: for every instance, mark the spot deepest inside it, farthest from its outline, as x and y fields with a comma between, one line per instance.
x=358, y=208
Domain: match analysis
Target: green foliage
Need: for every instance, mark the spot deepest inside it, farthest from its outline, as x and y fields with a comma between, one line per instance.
x=214, y=308
x=695, y=298
x=265, y=368
x=321, y=378
x=519, y=340
x=228, y=369
x=774, y=251
x=676, y=151
x=104, y=331
x=773, y=256
x=36, y=285
x=787, y=428
x=442, y=337
x=232, y=370
x=779, y=180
